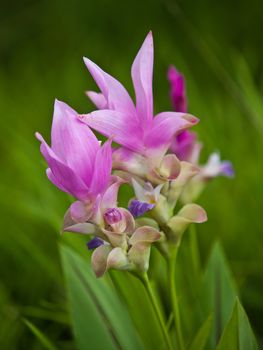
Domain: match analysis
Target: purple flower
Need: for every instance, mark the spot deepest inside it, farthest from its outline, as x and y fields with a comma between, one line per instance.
x=215, y=167
x=227, y=169
x=138, y=208
x=134, y=127
x=94, y=243
x=77, y=163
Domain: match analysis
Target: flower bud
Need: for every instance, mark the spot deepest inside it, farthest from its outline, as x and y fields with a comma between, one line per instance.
x=112, y=216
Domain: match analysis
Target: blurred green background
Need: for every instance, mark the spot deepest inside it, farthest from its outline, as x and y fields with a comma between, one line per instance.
x=217, y=45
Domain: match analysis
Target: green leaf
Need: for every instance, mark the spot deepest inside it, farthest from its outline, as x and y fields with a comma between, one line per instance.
x=40, y=336
x=202, y=335
x=100, y=320
x=218, y=293
x=238, y=334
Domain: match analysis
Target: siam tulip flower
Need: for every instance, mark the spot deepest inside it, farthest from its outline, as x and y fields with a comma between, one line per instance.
x=177, y=90
x=146, y=197
x=143, y=137
x=184, y=144
x=79, y=166
x=117, y=244
x=132, y=257
x=215, y=167
x=90, y=217
x=187, y=148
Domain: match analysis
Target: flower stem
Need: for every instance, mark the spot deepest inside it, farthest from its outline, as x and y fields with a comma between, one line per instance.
x=174, y=299
x=155, y=305
x=194, y=252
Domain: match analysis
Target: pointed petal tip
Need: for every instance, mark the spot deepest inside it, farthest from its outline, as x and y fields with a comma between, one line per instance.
x=171, y=69
x=191, y=119
x=149, y=39
x=89, y=93
x=150, y=35
x=107, y=144
x=91, y=66
x=88, y=62
x=39, y=136
x=59, y=104
x=173, y=73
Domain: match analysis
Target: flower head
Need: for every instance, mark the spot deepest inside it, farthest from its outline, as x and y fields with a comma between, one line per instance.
x=177, y=90
x=79, y=166
x=185, y=144
x=157, y=155
x=77, y=163
x=134, y=126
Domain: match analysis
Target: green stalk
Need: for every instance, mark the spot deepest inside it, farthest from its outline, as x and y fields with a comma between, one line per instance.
x=174, y=300
x=194, y=252
x=145, y=280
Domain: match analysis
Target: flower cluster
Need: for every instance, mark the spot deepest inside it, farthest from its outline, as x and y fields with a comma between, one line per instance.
x=157, y=155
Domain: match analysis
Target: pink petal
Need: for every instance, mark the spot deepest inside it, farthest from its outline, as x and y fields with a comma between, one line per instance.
x=84, y=228
x=98, y=99
x=193, y=213
x=177, y=90
x=139, y=256
x=73, y=142
x=54, y=180
x=117, y=259
x=170, y=167
x=129, y=161
x=102, y=169
x=70, y=225
x=145, y=234
x=129, y=220
x=142, y=71
x=99, y=259
x=117, y=125
x=116, y=239
x=184, y=144
x=115, y=94
x=109, y=199
x=62, y=175
x=166, y=125
x=79, y=212
x=95, y=210
x=190, y=213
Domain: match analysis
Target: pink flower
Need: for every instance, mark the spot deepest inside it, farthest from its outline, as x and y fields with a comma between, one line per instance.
x=77, y=163
x=177, y=90
x=185, y=144
x=134, y=127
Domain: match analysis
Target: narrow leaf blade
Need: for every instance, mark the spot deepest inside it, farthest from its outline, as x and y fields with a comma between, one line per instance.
x=40, y=336
x=238, y=334
x=202, y=335
x=218, y=293
x=88, y=325
x=109, y=307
